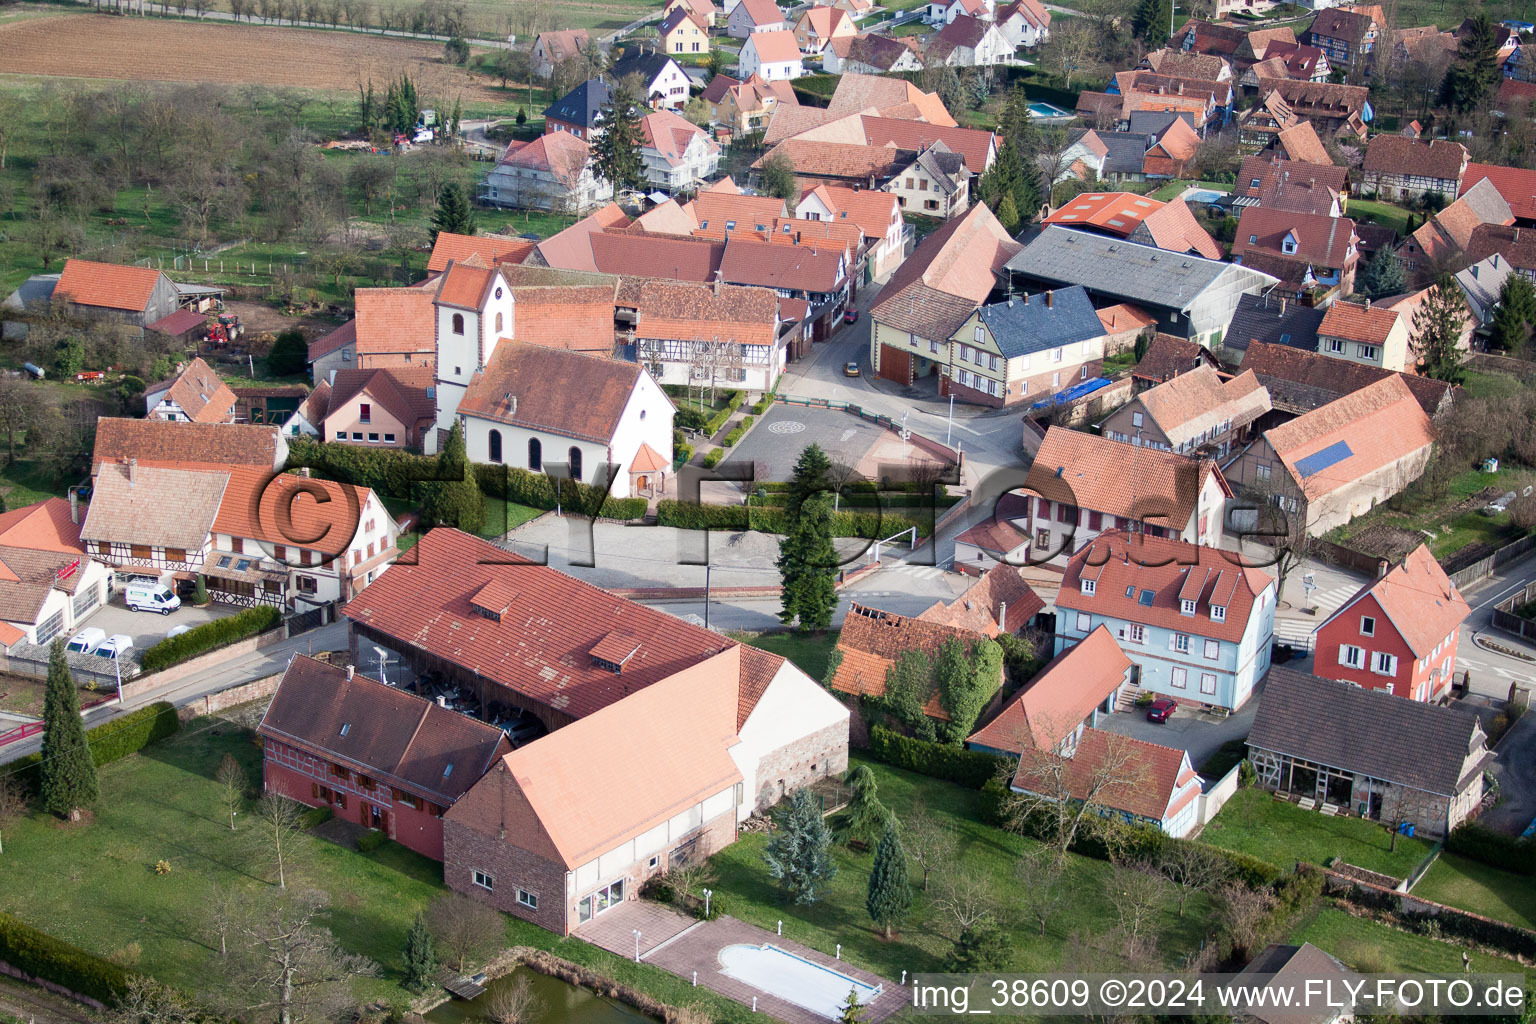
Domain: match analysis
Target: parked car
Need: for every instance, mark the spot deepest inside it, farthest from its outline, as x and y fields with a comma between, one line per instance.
x=115, y=646
x=151, y=597
x=178, y=630
x=1161, y=709
x=851, y=369
x=851, y=316
x=86, y=641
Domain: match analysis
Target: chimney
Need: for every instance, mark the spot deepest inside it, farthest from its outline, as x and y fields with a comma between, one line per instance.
x=133, y=471
x=351, y=669
x=1367, y=303
x=1050, y=297
x=1025, y=298
x=74, y=506
x=1282, y=305
x=303, y=471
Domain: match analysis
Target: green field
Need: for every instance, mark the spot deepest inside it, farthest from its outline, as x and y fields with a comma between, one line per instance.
x=1446, y=529
x=1371, y=946
x=1255, y=823
x=1459, y=882
x=809, y=651
x=1377, y=212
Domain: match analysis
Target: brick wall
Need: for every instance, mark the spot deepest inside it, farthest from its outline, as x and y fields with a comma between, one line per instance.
x=212, y=703
x=798, y=764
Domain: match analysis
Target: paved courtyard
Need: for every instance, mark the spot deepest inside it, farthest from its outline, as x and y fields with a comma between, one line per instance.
x=148, y=628
x=684, y=946
x=1202, y=735
x=785, y=430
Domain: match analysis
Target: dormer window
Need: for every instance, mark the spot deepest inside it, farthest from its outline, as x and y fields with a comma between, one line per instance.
x=613, y=650
x=1288, y=244
x=1089, y=586
x=1186, y=607
x=1218, y=613
x=346, y=727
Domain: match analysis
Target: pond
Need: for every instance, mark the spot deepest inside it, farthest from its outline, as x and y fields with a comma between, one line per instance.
x=559, y=1003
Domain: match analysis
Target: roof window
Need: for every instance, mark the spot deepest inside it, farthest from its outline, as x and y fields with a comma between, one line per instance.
x=346, y=727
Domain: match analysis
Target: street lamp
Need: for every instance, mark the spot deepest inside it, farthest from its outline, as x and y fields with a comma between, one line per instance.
x=707, y=894
x=950, y=426
x=637, y=944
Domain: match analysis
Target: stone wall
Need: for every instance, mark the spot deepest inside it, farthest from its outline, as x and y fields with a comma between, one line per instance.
x=145, y=684
x=798, y=764
x=213, y=703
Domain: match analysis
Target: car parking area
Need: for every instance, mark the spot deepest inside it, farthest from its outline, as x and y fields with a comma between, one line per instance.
x=149, y=628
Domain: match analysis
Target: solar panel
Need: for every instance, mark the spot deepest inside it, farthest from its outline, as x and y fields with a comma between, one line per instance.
x=1321, y=460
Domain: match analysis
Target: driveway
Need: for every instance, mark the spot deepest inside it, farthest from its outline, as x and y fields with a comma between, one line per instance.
x=1199, y=734
x=147, y=628
x=1516, y=771
x=785, y=430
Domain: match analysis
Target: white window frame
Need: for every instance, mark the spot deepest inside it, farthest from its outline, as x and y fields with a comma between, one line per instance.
x=1367, y=625
x=483, y=879
x=1137, y=633
x=528, y=899
x=1208, y=682
x=1384, y=664
x=1351, y=656
x=1089, y=586
x=1218, y=613
x=1179, y=678
x=1181, y=642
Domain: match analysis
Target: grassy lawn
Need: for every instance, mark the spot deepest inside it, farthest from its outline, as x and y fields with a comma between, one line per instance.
x=1377, y=212
x=502, y=516
x=1173, y=188
x=1452, y=528
x=924, y=942
x=809, y=651
x=1481, y=889
x=1253, y=822
x=1480, y=384
x=96, y=885
x=23, y=695
x=24, y=483
x=1371, y=946
x=1120, y=361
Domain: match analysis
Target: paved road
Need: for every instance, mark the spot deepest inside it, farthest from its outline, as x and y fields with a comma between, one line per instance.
x=240, y=669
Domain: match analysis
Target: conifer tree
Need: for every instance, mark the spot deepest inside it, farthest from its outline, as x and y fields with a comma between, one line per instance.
x=1437, y=327
x=808, y=567
x=420, y=955
x=68, y=773
x=890, y=896
x=865, y=817
x=453, y=214
x=799, y=854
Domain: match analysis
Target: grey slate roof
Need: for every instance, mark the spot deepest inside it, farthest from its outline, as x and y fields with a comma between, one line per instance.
x=945, y=167
x=1263, y=318
x=647, y=64
x=1022, y=326
x=582, y=104
x=1127, y=151
x=1369, y=732
x=1113, y=266
x=1154, y=122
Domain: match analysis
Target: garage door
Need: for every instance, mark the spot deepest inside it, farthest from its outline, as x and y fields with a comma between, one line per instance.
x=895, y=365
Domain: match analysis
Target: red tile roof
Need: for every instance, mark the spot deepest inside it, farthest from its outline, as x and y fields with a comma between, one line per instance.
x=575, y=794
x=1300, y=142
x=870, y=209
x=1196, y=402
x=1356, y=322
x=393, y=736
x=1397, y=154
x=530, y=386
x=391, y=320
x=1381, y=424
x=681, y=259
x=791, y=267
x=1325, y=242
x=677, y=311
x=1115, y=213
x=1168, y=356
x=762, y=12
x=107, y=285
x=1516, y=184
x=1418, y=598
x=403, y=391
x=346, y=334
x=279, y=508
x=773, y=46
x=491, y=249
x=560, y=154
x=201, y=393
x=947, y=276
x=1125, y=317
x=872, y=640
x=1092, y=472
x=1175, y=228
x=1146, y=775
x=974, y=145
x=542, y=645
x=1001, y=601
x=185, y=445
x=38, y=546
x=571, y=249
x=997, y=537
x=1125, y=567
x=1060, y=697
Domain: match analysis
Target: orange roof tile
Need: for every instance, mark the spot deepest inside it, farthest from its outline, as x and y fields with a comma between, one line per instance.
x=492, y=249
x=1000, y=601
x=872, y=640
x=1092, y=472
x=395, y=320
x=773, y=46
x=531, y=386
x=185, y=445
x=1356, y=322
x=201, y=393
x=1060, y=697
x=1418, y=597
x=1147, y=775
x=107, y=285
x=1125, y=317
x=276, y=508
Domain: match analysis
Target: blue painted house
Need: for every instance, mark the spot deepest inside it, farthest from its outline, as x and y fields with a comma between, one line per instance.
x=1196, y=624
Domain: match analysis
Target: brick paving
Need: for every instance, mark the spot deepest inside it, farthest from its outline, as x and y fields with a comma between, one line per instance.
x=682, y=945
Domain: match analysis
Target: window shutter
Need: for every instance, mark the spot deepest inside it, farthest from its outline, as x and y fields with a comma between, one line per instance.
x=1170, y=641
x=1343, y=654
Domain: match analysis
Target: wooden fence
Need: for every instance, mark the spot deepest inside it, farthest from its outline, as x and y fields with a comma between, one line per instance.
x=1484, y=567
x=1504, y=616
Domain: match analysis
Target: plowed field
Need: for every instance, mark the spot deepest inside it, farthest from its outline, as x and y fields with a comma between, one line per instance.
x=156, y=50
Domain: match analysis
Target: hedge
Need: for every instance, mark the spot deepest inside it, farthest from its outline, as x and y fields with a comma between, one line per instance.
x=694, y=419
x=217, y=633
x=739, y=432
x=762, y=404
x=1480, y=843
x=114, y=740
x=690, y=515
x=712, y=459
x=970, y=768
x=42, y=956
x=863, y=499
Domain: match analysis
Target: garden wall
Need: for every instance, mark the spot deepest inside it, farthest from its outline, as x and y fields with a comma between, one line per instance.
x=213, y=703
x=144, y=684
x=1213, y=799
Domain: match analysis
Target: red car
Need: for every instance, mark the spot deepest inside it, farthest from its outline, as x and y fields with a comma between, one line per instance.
x=1161, y=709
x=851, y=316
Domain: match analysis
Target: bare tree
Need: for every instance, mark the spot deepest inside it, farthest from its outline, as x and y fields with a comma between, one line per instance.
x=224, y=908
x=514, y=1003
x=967, y=897
x=465, y=929
x=146, y=1001
x=1042, y=890
x=19, y=401
x=1069, y=799
x=289, y=965
x=13, y=804
x=1239, y=911
x=1190, y=869
x=279, y=817
x=929, y=842
x=1072, y=50
x=691, y=875
x=1138, y=894
x=232, y=783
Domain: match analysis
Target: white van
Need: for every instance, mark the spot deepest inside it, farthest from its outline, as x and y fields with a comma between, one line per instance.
x=151, y=597
x=86, y=641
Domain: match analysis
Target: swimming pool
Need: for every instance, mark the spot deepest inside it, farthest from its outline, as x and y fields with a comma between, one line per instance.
x=1205, y=197
x=1038, y=108
x=793, y=979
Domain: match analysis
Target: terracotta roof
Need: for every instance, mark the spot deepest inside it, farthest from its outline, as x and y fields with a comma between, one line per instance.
x=1418, y=598
x=713, y=208
x=836, y=159
x=575, y=794
x=1372, y=732
x=762, y=12
x=1148, y=775
x=1001, y=593
x=1168, y=61
x=394, y=736
x=1059, y=698
x=773, y=46
x=491, y=249
x=684, y=312
x=1259, y=39
x=1125, y=317
x=560, y=154
x=823, y=21
x=315, y=408
x=791, y=267
x=669, y=135
x=870, y=209
x=1300, y=142
x=1448, y=233
x=1516, y=184
x=38, y=544
x=541, y=646
x=576, y=317
x=157, y=442
x=997, y=537
x=1212, y=37
x=405, y=392
x=1396, y=154
x=1358, y=434
x=346, y=334
x=179, y=322
x=200, y=392
x=1166, y=573
x=530, y=386
x=276, y=508
x=856, y=93
x=681, y=259
x=572, y=248
x=1196, y=402
x=107, y=285
x=393, y=320
x=1276, y=176
x=1301, y=379
x=1175, y=228
x=1115, y=213
x=1169, y=355
x=1354, y=322
x=1514, y=94
x=872, y=640
x=159, y=507
x=949, y=274
x=973, y=144
x=1325, y=242
x=1096, y=474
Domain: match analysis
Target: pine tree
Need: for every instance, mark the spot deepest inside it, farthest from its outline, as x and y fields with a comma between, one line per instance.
x=1383, y=275
x=808, y=567
x=1437, y=327
x=1008, y=213
x=453, y=214
x=981, y=948
x=811, y=476
x=799, y=854
x=852, y=1011
x=68, y=773
x=420, y=955
x=865, y=817
x=1153, y=21
x=1516, y=314
x=1471, y=80
x=890, y=897
x=616, y=153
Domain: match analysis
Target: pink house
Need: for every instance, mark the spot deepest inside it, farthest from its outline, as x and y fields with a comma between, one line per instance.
x=386, y=407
